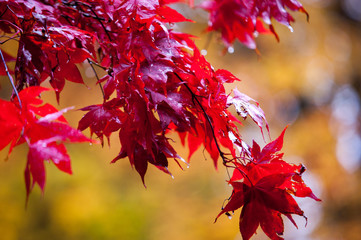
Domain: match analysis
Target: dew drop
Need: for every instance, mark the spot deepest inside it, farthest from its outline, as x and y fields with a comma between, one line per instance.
x=231, y=50
x=204, y=52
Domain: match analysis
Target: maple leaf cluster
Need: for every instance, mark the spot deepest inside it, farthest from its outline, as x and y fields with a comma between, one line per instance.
x=245, y=19
x=263, y=185
x=156, y=81
x=42, y=128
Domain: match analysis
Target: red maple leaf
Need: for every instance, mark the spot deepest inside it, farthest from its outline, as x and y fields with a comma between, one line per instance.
x=263, y=203
x=43, y=128
x=263, y=189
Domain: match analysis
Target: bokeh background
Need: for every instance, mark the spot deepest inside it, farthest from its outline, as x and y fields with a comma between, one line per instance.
x=311, y=80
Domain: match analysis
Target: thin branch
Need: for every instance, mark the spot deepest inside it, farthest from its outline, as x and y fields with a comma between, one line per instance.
x=101, y=23
x=13, y=37
x=10, y=78
x=229, y=175
x=96, y=75
x=97, y=64
x=100, y=19
x=4, y=12
x=12, y=24
x=244, y=175
x=194, y=96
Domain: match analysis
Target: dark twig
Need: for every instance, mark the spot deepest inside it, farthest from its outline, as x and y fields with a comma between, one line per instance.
x=96, y=75
x=101, y=23
x=207, y=118
x=97, y=64
x=12, y=24
x=10, y=78
x=2, y=14
x=75, y=4
x=227, y=170
x=13, y=37
x=244, y=175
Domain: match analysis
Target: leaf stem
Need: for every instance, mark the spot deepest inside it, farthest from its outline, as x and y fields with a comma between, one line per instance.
x=10, y=78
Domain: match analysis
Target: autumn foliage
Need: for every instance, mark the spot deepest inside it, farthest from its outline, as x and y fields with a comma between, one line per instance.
x=156, y=81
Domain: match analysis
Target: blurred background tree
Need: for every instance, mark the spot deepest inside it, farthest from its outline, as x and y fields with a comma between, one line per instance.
x=310, y=80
